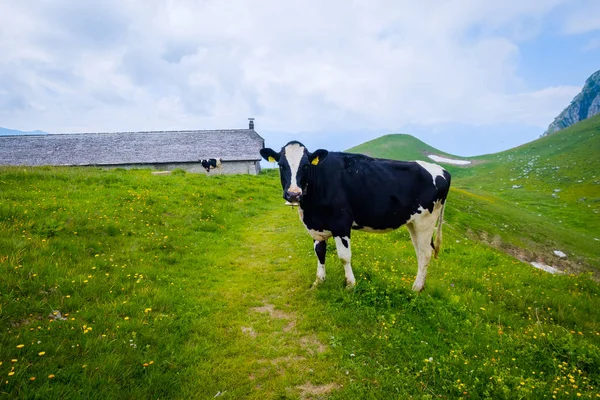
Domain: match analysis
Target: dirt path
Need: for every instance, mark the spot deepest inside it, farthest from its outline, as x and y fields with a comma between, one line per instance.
x=275, y=348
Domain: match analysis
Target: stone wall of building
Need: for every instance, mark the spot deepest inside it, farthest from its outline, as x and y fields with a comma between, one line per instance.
x=227, y=167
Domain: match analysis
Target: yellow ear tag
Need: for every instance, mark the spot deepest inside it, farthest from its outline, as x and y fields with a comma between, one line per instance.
x=315, y=161
x=271, y=159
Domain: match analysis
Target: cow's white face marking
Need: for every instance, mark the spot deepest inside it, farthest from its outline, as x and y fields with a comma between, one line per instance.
x=293, y=155
x=434, y=169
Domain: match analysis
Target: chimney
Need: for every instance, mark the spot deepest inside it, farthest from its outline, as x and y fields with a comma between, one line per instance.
x=251, y=123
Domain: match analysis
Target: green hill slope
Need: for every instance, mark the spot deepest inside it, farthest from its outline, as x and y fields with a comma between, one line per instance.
x=530, y=200
x=551, y=190
x=399, y=147
x=567, y=160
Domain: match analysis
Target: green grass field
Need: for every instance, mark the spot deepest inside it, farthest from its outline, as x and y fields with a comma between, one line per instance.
x=187, y=286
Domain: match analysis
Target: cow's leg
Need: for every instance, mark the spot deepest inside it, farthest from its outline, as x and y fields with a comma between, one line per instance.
x=342, y=244
x=320, y=244
x=320, y=251
x=421, y=232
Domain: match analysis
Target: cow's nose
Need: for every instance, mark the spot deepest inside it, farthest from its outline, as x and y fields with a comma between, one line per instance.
x=293, y=197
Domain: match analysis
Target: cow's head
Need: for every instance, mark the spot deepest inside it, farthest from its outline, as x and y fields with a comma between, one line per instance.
x=294, y=162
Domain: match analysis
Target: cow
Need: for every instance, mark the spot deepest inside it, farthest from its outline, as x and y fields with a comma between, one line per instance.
x=211, y=163
x=338, y=192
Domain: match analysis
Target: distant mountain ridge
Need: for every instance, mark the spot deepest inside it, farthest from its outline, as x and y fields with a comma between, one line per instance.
x=14, y=132
x=583, y=106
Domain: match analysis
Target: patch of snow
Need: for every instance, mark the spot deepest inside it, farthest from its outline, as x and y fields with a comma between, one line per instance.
x=560, y=253
x=448, y=160
x=547, y=268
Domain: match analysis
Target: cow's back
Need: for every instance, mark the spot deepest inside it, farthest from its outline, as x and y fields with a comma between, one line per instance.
x=377, y=193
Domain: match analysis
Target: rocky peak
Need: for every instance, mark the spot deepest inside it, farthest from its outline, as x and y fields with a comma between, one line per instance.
x=584, y=105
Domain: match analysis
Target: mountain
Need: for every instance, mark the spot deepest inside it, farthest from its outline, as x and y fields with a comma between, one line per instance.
x=399, y=147
x=13, y=132
x=584, y=105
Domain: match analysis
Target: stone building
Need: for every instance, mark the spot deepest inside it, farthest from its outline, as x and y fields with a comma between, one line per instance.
x=160, y=150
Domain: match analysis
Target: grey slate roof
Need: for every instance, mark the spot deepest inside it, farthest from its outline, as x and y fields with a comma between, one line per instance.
x=130, y=147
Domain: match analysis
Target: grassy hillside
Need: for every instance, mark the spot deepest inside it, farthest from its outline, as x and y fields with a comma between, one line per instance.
x=188, y=286
x=399, y=147
x=554, y=205
x=556, y=188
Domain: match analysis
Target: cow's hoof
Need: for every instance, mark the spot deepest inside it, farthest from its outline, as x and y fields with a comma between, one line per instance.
x=349, y=284
x=417, y=288
x=317, y=282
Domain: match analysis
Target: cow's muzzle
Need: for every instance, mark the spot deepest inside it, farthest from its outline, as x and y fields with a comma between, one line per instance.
x=293, y=197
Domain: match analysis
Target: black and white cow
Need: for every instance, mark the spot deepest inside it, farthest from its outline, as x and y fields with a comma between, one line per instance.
x=337, y=192
x=211, y=163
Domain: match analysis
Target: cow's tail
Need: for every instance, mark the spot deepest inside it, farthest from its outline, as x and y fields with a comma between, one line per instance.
x=443, y=185
x=437, y=244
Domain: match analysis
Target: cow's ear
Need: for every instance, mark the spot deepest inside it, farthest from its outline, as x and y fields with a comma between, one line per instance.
x=318, y=156
x=269, y=154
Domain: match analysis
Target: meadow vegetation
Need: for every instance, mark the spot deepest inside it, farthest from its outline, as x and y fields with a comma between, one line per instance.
x=121, y=284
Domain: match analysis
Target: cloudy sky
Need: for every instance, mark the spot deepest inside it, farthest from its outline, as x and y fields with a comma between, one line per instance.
x=466, y=76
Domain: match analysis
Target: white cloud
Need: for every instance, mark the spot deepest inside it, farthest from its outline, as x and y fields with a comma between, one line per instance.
x=295, y=65
x=582, y=17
